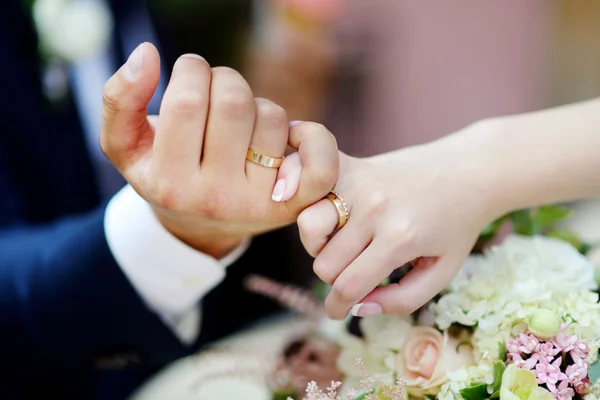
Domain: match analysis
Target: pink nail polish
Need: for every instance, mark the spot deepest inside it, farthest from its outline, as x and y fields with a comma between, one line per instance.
x=366, y=309
x=279, y=190
x=294, y=123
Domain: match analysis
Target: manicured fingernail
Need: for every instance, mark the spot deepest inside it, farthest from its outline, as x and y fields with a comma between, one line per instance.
x=294, y=123
x=366, y=309
x=133, y=66
x=279, y=190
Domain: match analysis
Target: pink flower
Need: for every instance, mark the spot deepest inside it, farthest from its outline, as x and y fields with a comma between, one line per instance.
x=532, y=362
x=577, y=372
x=512, y=346
x=583, y=387
x=545, y=357
x=426, y=357
x=524, y=344
x=547, y=351
x=549, y=374
x=563, y=391
x=529, y=364
x=565, y=343
x=580, y=351
x=527, y=343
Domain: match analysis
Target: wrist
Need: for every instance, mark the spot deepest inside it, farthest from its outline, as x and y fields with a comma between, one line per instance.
x=485, y=155
x=208, y=240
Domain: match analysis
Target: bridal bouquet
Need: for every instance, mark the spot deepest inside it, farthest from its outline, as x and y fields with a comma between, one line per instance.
x=521, y=321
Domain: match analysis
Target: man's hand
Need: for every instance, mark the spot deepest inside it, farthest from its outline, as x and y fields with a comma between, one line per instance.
x=190, y=162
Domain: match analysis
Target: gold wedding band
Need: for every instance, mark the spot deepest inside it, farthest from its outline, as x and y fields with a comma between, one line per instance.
x=341, y=208
x=261, y=159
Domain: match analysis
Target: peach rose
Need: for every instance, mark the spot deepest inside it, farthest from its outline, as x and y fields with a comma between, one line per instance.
x=427, y=356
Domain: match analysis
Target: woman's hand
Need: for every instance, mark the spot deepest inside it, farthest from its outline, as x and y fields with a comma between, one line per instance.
x=423, y=204
x=427, y=204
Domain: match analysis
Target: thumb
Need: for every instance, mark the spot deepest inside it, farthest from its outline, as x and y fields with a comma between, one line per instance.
x=124, y=100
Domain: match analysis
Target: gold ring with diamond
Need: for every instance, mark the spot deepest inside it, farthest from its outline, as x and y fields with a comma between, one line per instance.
x=341, y=207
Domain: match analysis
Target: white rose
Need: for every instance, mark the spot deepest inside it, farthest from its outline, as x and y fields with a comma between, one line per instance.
x=387, y=331
x=555, y=263
x=72, y=30
x=382, y=335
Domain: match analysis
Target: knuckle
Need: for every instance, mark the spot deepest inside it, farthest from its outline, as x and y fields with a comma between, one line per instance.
x=215, y=205
x=322, y=179
x=271, y=112
x=310, y=247
x=400, y=234
x=110, y=100
x=322, y=271
x=306, y=226
x=166, y=195
x=234, y=103
x=189, y=101
x=377, y=201
x=325, y=178
x=344, y=291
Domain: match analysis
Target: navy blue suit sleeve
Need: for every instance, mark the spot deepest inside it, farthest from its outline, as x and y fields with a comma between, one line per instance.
x=64, y=300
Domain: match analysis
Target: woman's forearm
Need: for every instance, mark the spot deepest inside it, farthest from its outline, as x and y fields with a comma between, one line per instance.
x=548, y=156
x=517, y=161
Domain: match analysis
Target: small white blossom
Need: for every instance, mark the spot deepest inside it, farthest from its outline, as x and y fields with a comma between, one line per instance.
x=72, y=30
x=504, y=287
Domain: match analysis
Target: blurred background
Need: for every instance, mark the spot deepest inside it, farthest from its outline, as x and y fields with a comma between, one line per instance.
x=381, y=74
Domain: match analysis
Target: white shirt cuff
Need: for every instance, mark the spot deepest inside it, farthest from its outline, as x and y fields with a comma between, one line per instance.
x=170, y=276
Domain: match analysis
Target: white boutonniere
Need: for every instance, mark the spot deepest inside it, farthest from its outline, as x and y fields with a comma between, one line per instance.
x=69, y=31
x=72, y=29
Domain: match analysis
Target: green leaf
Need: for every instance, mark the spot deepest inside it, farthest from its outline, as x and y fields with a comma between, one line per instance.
x=489, y=232
x=499, y=369
x=495, y=395
x=385, y=282
x=284, y=395
x=567, y=236
x=502, y=351
x=594, y=371
x=493, y=227
x=321, y=290
x=523, y=223
x=477, y=391
x=585, y=248
x=548, y=216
